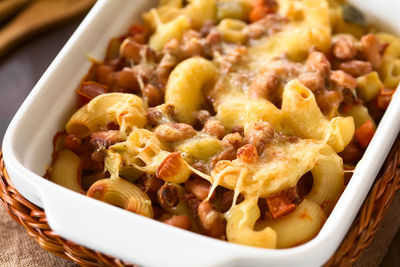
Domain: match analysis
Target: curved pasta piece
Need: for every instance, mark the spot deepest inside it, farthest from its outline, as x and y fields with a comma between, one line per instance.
x=237, y=112
x=368, y=86
x=201, y=11
x=123, y=194
x=328, y=180
x=167, y=10
x=141, y=150
x=393, y=49
x=390, y=71
x=168, y=31
x=185, y=84
x=66, y=170
x=390, y=68
x=144, y=152
x=125, y=109
x=198, y=11
x=299, y=226
x=308, y=26
x=304, y=118
x=174, y=169
x=231, y=30
x=240, y=226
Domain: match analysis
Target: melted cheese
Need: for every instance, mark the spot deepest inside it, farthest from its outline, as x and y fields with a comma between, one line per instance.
x=280, y=167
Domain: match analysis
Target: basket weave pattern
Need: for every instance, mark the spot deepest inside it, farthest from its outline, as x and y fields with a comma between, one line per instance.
x=357, y=239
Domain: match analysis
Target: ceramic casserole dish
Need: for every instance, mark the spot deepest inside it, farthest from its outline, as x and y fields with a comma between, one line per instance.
x=125, y=235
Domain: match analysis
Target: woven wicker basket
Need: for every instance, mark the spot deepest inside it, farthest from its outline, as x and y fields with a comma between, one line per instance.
x=357, y=239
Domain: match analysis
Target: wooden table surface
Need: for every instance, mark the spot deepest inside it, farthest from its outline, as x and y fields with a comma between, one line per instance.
x=21, y=69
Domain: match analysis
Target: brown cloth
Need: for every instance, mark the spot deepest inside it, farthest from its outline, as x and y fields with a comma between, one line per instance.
x=17, y=248
x=18, y=74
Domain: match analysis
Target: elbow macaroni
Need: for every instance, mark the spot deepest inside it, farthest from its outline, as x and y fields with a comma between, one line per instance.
x=185, y=85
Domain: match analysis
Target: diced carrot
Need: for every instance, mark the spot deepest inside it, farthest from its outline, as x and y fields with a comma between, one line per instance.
x=364, y=133
x=382, y=101
x=280, y=205
x=260, y=8
x=257, y=13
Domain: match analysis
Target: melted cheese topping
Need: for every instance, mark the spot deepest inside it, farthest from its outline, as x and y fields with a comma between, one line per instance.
x=280, y=167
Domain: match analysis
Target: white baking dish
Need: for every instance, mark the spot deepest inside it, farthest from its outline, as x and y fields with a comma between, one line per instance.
x=99, y=226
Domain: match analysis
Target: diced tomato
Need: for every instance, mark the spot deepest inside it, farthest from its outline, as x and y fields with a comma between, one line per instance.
x=138, y=32
x=136, y=29
x=89, y=90
x=280, y=205
x=364, y=133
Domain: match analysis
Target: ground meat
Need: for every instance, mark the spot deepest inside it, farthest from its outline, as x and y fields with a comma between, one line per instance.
x=255, y=30
x=214, y=128
x=234, y=140
x=201, y=166
x=143, y=72
x=191, y=44
x=248, y=154
x=167, y=63
x=372, y=49
x=213, y=43
x=174, y=48
x=232, y=58
x=208, y=25
x=317, y=62
x=104, y=139
x=329, y=100
x=285, y=68
x=228, y=153
x=174, y=132
x=259, y=134
x=312, y=81
x=151, y=183
x=356, y=67
x=231, y=143
x=264, y=84
x=72, y=142
x=344, y=46
x=343, y=79
x=268, y=25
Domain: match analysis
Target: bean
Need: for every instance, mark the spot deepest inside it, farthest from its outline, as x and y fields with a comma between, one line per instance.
x=212, y=221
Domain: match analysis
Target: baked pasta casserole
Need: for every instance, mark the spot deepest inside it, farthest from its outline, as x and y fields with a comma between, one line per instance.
x=238, y=119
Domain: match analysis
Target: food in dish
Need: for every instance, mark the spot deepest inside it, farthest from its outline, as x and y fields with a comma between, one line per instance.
x=241, y=120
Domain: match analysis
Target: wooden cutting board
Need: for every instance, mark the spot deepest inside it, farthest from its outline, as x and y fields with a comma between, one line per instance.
x=9, y=8
x=37, y=16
